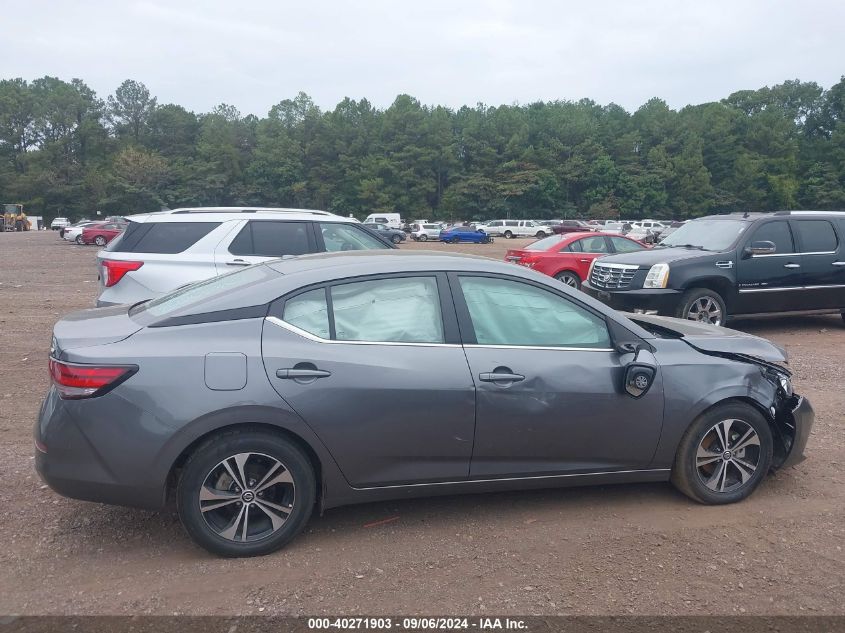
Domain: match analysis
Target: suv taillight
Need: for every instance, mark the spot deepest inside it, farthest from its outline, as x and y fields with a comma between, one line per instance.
x=84, y=381
x=114, y=270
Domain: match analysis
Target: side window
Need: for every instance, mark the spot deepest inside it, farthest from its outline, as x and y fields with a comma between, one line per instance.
x=271, y=239
x=309, y=312
x=506, y=312
x=776, y=232
x=816, y=236
x=381, y=220
x=621, y=245
x=575, y=247
x=347, y=237
x=402, y=310
x=164, y=237
x=593, y=245
x=511, y=223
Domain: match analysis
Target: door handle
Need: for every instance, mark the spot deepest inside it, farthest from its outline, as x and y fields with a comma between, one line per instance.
x=838, y=264
x=296, y=374
x=586, y=261
x=237, y=262
x=493, y=376
x=792, y=265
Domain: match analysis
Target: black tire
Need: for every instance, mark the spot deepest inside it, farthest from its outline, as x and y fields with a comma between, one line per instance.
x=100, y=240
x=423, y=238
x=540, y=235
x=697, y=301
x=508, y=235
x=456, y=240
x=570, y=279
x=203, y=462
x=486, y=240
x=396, y=239
x=78, y=239
x=689, y=478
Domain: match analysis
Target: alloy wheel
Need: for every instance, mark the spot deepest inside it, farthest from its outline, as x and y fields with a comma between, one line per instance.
x=706, y=310
x=728, y=455
x=247, y=497
x=569, y=281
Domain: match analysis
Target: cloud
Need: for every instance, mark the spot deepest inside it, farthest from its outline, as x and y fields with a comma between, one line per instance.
x=254, y=54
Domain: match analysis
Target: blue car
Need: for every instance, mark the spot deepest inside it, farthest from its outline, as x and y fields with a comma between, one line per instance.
x=464, y=234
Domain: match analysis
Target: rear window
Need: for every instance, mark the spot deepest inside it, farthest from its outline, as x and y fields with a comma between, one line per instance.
x=817, y=236
x=161, y=237
x=545, y=244
x=217, y=293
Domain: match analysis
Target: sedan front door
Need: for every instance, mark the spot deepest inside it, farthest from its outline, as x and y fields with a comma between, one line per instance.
x=376, y=368
x=549, y=396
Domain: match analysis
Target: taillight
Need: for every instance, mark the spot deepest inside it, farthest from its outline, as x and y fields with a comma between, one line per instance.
x=114, y=270
x=84, y=381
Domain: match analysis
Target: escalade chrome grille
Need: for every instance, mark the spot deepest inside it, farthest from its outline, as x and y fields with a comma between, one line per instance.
x=612, y=276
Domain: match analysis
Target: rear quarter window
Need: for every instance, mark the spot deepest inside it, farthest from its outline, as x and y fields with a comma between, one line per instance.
x=161, y=237
x=816, y=236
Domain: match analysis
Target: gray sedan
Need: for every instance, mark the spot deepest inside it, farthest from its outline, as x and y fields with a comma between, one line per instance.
x=254, y=398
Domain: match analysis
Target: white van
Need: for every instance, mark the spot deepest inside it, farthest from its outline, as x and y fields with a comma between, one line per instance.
x=390, y=219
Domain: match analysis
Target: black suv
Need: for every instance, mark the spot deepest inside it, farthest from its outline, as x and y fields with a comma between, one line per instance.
x=730, y=265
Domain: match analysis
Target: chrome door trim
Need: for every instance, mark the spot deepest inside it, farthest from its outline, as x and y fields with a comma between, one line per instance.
x=742, y=290
x=530, y=478
x=540, y=347
x=313, y=337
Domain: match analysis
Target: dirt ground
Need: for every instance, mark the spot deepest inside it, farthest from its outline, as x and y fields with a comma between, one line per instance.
x=635, y=549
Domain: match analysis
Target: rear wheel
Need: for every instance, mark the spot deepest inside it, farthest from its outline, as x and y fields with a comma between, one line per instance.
x=396, y=239
x=508, y=234
x=724, y=454
x=704, y=305
x=570, y=279
x=423, y=238
x=455, y=240
x=79, y=239
x=100, y=240
x=245, y=493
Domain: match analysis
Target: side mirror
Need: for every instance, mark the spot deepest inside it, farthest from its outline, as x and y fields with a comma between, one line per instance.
x=638, y=379
x=763, y=247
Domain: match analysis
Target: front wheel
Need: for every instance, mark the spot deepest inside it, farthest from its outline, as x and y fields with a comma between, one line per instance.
x=100, y=240
x=396, y=239
x=455, y=240
x=78, y=239
x=245, y=493
x=704, y=305
x=570, y=279
x=540, y=235
x=423, y=238
x=724, y=454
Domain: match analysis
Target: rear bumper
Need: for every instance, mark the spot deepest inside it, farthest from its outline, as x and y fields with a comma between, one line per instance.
x=802, y=418
x=661, y=300
x=70, y=456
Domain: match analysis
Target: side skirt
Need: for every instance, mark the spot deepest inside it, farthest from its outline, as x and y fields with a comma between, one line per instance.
x=476, y=486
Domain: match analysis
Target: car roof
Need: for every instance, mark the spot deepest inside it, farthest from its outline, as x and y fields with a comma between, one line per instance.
x=220, y=214
x=756, y=215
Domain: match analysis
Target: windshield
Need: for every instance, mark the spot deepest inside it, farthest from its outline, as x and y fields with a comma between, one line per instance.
x=544, y=244
x=708, y=235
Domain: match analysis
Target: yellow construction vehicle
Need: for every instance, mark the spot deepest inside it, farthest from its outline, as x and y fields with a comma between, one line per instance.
x=14, y=219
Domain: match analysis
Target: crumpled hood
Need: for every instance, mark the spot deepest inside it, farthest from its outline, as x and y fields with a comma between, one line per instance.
x=712, y=338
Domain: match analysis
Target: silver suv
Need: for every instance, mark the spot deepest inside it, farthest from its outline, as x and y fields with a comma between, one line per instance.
x=159, y=252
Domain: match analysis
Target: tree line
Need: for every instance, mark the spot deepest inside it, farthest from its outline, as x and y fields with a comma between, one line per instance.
x=65, y=151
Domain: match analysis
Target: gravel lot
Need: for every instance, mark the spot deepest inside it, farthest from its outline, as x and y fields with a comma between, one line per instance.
x=636, y=549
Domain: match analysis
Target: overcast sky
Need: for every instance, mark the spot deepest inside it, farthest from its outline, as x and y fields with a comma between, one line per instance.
x=199, y=53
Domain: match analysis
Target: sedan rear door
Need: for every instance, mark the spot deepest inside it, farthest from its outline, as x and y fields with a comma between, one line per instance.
x=374, y=365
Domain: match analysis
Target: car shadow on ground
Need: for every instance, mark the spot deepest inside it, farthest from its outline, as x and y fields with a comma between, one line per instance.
x=83, y=527
x=761, y=326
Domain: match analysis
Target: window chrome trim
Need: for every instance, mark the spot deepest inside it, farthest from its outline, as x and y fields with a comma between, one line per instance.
x=317, y=339
x=778, y=255
x=619, y=266
x=528, y=478
x=742, y=290
x=541, y=347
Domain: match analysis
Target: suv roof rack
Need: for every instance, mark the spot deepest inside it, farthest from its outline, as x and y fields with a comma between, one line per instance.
x=835, y=212
x=243, y=210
